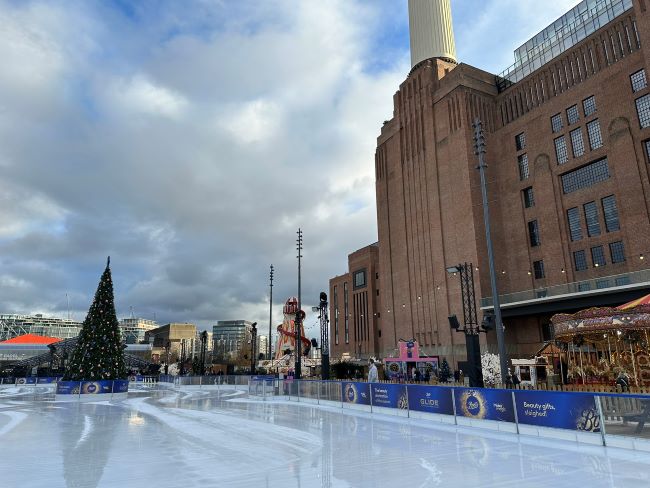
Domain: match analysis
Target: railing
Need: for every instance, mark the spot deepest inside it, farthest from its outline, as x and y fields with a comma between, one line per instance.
x=595, y=418
x=592, y=286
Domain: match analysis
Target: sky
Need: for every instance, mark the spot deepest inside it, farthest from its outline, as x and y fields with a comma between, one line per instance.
x=190, y=140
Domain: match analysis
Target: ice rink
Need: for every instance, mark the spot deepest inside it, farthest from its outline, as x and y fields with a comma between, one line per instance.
x=185, y=439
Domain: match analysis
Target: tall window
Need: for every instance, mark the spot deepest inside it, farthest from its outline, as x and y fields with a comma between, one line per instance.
x=522, y=160
x=589, y=106
x=573, y=216
x=611, y=214
x=595, y=138
x=643, y=110
x=638, y=80
x=529, y=197
x=572, y=115
x=520, y=141
x=346, y=311
x=598, y=256
x=533, y=233
x=359, y=279
x=560, y=150
x=580, y=260
x=591, y=216
x=646, y=145
x=585, y=176
x=556, y=123
x=577, y=143
x=617, y=252
x=538, y=269
x=336, y=316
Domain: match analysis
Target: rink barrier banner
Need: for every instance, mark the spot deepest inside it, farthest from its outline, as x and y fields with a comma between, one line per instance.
x=559, y=410
x=120, y=386
x=355, y=392
x=30, y=380
x=68, y=387
x=389, y=395
x=430, y=399
x=484, y=404
x=92, y=387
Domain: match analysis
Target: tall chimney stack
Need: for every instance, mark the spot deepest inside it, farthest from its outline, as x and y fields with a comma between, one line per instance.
x=431, y=31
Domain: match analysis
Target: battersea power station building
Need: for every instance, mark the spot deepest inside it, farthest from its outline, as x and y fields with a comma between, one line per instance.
x=567, y=130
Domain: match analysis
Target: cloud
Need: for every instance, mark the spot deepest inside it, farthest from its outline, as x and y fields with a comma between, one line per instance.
x=191, y=143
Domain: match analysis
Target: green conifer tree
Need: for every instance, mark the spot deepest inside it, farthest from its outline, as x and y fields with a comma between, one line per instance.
x=99, y=354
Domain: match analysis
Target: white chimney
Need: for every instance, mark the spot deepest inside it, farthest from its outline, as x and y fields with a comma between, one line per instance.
x=431, y=31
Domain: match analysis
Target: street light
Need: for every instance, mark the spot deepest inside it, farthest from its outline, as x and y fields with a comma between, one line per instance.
x=253, y=343
x=204, y=340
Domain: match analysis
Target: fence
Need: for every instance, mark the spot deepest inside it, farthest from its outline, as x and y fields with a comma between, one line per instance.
x=595, y=418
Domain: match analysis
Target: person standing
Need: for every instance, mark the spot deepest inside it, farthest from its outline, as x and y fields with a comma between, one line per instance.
x=372, y=372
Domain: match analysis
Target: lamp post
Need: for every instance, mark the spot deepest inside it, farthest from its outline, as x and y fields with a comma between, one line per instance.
x=299, y=312
x=324, y=337
x=204, y=340
x=479, y=149
x=470, y=321
x=253, y=344
x=268, y=346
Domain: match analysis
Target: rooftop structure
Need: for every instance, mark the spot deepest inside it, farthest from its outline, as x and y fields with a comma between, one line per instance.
x=133, y=329
x=13, y=325
x=431, y=31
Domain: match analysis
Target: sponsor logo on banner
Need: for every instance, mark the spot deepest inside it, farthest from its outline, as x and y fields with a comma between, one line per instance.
x=389, y=395
x=561, y=410
x=430, y=399
x=358, y=393
x=480, y=403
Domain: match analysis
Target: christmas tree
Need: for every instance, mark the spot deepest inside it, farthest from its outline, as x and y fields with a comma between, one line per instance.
x=444, y=373
x=99, y=354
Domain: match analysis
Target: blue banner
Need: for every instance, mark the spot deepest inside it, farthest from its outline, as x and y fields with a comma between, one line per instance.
x=358, y=393
x=120, y=386
x=561, y=410
x=68, y=387
x=96, y=387
x=389, y=395
x=46, y=380
x=483, y=403
x=430, y=399
x=30, y=380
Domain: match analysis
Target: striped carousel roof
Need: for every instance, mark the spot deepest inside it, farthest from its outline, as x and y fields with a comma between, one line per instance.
x=645, y=300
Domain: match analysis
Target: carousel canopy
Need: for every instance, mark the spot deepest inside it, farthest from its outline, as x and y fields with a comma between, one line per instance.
x=645, y=300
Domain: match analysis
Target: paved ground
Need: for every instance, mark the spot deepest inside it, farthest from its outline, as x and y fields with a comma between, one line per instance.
x=222, y=439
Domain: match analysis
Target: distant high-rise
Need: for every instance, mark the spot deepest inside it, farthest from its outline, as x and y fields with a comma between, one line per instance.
x=431, y=31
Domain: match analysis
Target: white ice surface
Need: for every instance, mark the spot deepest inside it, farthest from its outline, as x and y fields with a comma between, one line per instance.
x=187, y=439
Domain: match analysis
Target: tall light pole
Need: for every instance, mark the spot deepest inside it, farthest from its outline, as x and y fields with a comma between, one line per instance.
x=253, y=346
x=479, y=150
x=268, y=346
x=324, y=337
x=298, y=321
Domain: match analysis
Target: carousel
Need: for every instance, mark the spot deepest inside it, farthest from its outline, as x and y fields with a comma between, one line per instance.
x=603, y=345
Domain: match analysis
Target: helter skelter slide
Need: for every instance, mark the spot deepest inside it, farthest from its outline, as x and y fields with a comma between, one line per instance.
x=287, y=331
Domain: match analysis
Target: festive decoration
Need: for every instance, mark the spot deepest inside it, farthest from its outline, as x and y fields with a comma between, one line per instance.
x=491, y=369
x=99, y=354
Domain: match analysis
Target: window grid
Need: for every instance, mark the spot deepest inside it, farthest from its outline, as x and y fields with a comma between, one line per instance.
x=643, y=110
x=573, y=216
x=617, y=252
x=598, y=256
x=610, y=211
x=520, y=141
x=533, y=233
x=523, y=167
x=595, y=137
x=639, y=81
x=538, y=269
x=586, y=176
x=589, y=105
x=561, y=152
x=572, y=115
x=556, y=123
x=577, y=142
x=591, y=217
x=580, y=260
x=529, y=197
x=646, y=144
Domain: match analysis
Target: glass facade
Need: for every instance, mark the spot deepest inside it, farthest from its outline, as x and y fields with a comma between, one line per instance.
x=643, y=110
x=577, y=143
x=586, y=176
x=639, y=81
x=360, y=279
x=617, y=252
x=567, y=31
x=589, y=106
x=610, y=211
x=580, y=260
x=561, y=152
x=522, y=161
x=598, y=256
x=595, y=138
x=573, y=217
x=529, y=197
x=591, y=217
